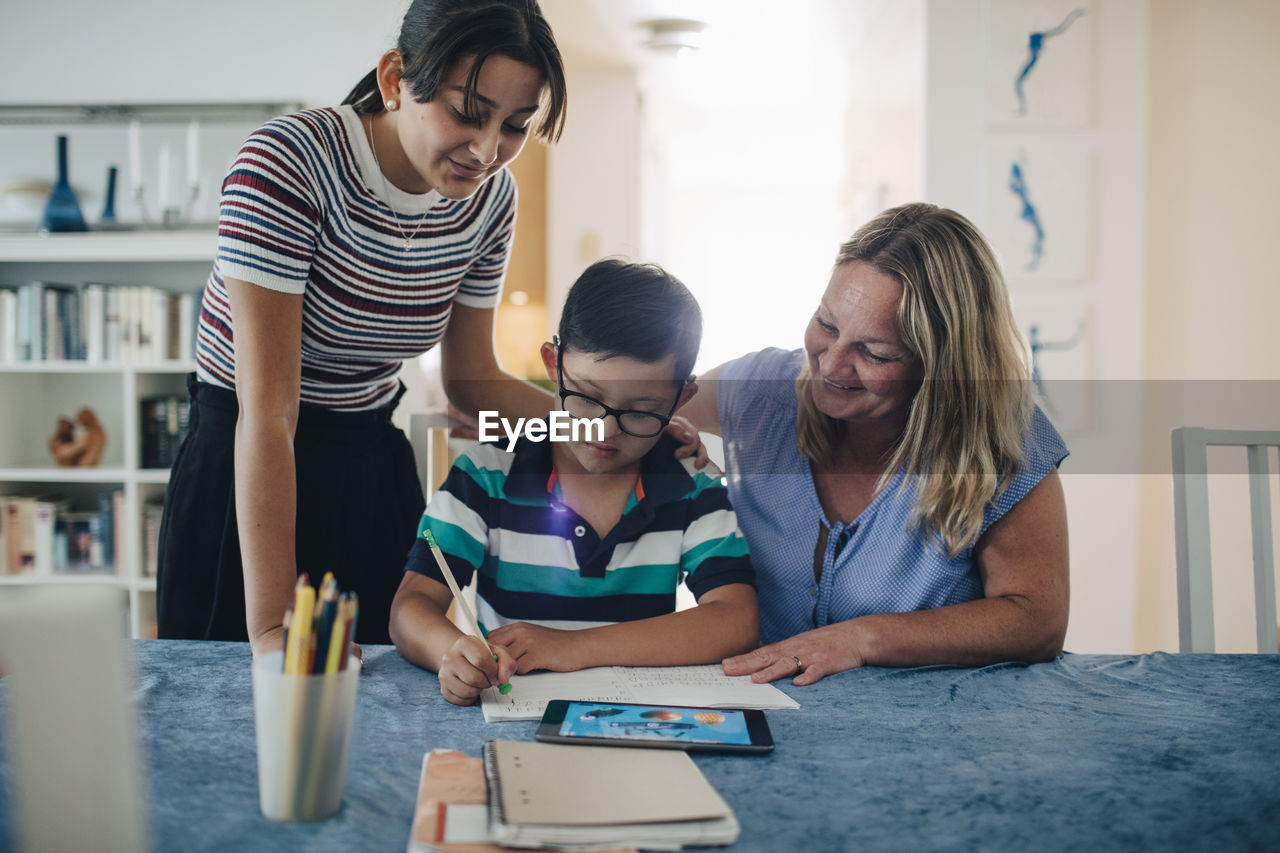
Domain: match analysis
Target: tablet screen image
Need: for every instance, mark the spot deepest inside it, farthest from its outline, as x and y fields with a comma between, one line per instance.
x=662, y=726
x=655, y=722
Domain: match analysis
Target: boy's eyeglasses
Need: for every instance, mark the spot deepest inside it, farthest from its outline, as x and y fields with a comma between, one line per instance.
x=631, y=421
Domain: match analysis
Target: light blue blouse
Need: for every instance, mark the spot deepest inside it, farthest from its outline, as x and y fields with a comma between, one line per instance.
x=880, y=562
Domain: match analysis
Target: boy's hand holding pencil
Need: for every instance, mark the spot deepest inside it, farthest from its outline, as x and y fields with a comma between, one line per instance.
x=470, y=665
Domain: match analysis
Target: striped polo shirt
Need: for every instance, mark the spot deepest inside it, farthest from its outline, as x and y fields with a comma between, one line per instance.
x=306, y=211
x=500, y=512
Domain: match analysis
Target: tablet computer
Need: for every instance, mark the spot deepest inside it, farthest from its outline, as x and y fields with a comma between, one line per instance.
x=664, y=726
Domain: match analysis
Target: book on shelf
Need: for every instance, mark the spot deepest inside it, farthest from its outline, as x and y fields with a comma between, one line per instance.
x=152, y=510
x=44, y=514
x=42, y=535
x=96, y=323
x=163, y=422
x=82, y=552
x=94, y=315
x=8, y=325
x=30, y=332
x=20, y=534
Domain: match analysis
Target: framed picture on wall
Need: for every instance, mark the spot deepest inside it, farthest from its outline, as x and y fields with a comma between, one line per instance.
x=1039, y=63
x=1060, y=328
x=1039, y=210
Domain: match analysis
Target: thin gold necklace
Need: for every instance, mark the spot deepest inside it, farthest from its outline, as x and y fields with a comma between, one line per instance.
x=408, y=238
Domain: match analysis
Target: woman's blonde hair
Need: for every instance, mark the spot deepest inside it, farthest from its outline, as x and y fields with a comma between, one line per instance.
x=962, y=443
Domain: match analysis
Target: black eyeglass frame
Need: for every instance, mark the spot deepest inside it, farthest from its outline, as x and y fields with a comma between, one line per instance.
x=609, y=410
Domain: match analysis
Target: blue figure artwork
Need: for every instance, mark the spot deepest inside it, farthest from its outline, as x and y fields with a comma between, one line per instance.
x=1038, y=346
x=1035, y=44
x=1029, y=215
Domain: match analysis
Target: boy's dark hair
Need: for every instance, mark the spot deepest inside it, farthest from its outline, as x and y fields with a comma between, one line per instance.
x=636, y=310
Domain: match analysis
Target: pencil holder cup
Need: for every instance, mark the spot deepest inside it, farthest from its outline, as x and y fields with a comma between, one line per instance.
x=303, y=724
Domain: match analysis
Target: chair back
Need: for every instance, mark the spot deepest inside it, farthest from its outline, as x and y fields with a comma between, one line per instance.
x=429, y=436
x=1191, y=530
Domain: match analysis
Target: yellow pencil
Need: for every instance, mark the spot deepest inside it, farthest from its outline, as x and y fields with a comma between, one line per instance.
x=300, y=634
x=337, y=642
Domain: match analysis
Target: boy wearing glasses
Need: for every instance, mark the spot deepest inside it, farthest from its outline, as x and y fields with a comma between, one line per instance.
x=581, y=544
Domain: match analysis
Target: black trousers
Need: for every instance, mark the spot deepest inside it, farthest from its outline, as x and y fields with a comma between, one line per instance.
x=359, y=504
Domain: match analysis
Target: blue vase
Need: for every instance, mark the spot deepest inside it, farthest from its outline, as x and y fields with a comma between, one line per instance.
x=109, y=205
x=62, y=210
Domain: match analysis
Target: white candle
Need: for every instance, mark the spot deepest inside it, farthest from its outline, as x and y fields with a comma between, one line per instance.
x=135, y=155
x=193, y=153
x=162, y=184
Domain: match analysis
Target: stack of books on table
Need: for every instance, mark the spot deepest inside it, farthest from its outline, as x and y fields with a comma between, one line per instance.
x=562, y=797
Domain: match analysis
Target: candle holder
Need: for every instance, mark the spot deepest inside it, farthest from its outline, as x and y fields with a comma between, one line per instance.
x=165, y=215
x=171, y=216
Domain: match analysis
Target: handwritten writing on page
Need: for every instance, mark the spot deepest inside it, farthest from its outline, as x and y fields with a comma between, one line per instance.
x=704, y=686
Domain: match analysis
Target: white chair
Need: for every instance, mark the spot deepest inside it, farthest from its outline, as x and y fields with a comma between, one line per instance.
x=429, y=435
x=1191, y=529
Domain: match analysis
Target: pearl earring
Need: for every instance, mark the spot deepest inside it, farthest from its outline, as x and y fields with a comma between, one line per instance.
x=391, y=104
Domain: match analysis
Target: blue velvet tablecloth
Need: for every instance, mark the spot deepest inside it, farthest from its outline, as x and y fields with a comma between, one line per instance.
x=1088, y=753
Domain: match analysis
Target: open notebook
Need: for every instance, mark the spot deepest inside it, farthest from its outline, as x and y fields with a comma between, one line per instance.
x=588, y=797
x=702, y=686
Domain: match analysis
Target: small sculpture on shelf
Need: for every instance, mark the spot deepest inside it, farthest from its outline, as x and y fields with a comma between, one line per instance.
x=70, y=450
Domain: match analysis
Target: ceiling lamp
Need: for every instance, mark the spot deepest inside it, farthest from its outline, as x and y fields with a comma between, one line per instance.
x=672, y=35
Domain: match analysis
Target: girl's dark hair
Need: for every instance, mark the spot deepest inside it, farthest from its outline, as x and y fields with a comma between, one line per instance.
x=636, y=310
x=436, y=34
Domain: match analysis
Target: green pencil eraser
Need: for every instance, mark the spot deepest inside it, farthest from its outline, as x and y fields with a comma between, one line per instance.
x=504, y=689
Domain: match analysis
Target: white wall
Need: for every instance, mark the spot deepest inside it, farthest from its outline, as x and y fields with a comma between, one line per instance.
x=308, y=52
x=80, y=51
x=970, y=137
x=764, y=149
x=1211, y=291
x=593, y=178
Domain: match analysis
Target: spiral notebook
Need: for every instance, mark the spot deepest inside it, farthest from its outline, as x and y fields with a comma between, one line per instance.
x=588, y=797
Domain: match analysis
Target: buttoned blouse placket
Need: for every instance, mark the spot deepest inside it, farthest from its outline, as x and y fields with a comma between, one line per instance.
x=822, y=588
x=842, y=541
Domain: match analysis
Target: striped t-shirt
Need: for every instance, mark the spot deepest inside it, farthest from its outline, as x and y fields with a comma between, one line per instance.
x=500, y=512
x=306, y=211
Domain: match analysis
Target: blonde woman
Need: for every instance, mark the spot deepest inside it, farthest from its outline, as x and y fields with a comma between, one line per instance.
x=894, y=480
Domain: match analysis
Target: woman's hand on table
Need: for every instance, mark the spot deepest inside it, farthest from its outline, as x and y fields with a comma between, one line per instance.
x=272, y=640
x=538, y=647
x=684, y=432
x=468, y=667
x=805, y=658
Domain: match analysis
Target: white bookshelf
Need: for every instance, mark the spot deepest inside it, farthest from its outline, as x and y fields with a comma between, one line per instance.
x=34, y=394
x=196, y=245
